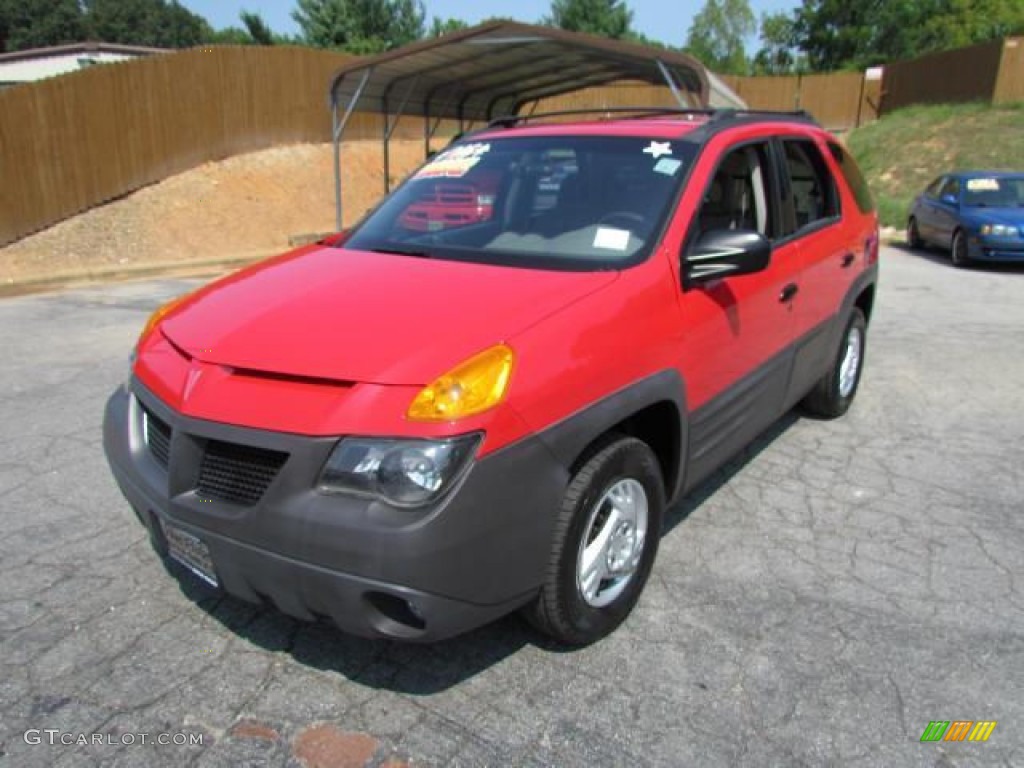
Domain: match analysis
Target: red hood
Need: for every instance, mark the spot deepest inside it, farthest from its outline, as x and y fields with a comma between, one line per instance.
x=367, y=317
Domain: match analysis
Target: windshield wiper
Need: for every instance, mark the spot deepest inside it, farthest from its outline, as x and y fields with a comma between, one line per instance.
x=403, y=251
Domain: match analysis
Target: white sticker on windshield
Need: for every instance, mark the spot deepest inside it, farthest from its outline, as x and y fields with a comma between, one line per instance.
x=612, y=239
x=983, y=185
x=658, y=148
x=454, y=163
x=668, y=166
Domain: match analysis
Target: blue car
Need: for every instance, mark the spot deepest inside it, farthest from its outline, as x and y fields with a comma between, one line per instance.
x=977, y=215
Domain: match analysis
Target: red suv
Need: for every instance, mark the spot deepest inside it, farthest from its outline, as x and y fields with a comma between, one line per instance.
x=414, y=430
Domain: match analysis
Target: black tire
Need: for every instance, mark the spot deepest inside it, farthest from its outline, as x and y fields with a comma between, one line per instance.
x=832, y=395
x=561, y=610
x=958, y=250
x=914, y=234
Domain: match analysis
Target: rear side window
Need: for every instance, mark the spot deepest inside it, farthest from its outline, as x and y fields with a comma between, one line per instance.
x=951, y=188
x=933, y=188
x=854, y=178
x=813, y=188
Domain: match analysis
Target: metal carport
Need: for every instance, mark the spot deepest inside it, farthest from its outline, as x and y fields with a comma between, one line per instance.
x=496, y=69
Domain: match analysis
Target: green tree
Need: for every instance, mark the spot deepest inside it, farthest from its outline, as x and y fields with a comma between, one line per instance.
x=440, y=26
x=157, y=23
x=838, y=34
x=957, y=23
x=39, y=23
x=777, y=55
x=716, y=35
x=257, y=28
x=254, y=31
x=229, y=36
x=642, y=39
x=607, y=18
x=360, y=26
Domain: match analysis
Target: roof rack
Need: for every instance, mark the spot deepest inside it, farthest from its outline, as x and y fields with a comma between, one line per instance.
x=509, y=121
x=714, y=115
x=729, y=113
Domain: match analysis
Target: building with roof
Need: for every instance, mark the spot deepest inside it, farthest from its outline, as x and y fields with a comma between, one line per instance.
x=34, y=64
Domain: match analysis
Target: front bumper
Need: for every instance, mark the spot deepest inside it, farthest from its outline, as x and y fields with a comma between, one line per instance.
x=374, y=570
x=996, y=249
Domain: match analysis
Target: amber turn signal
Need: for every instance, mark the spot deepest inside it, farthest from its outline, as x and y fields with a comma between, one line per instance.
x=472, y=387
x=158, y=315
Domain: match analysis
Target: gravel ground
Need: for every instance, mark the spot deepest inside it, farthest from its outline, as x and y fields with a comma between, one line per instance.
x=247, y=204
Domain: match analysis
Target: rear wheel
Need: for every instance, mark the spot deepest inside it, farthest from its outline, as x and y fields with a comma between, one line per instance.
x=913, y=234
x=958, y=251
x=606, y=538
x=834, y=392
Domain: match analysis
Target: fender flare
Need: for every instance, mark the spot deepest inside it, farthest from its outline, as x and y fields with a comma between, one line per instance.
x=568, y=438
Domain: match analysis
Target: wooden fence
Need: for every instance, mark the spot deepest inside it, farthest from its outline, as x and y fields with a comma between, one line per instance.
x=73, y=142
x=1010, y=82
x=990, y=72
x=838, y=100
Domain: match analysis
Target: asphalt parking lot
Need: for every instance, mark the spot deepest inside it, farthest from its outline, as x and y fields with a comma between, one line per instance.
x=824, y=598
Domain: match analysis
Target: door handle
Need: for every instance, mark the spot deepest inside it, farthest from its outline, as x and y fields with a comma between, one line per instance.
x=848, y=260
x=787, y=293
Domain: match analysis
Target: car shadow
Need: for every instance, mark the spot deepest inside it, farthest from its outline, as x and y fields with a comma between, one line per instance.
x=410, y=668
x=939, y=256
x=925, y=252
x=401, y=667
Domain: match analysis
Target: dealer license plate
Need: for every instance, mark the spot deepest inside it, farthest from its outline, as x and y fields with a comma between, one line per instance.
x=190, y=552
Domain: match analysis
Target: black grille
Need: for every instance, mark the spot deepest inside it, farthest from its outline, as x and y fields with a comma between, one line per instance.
x=158, y=437
x=237, y=473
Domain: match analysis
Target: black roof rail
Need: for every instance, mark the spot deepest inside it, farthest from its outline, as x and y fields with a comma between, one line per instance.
x=729, y=113
x=508, y=121
x=714, y=115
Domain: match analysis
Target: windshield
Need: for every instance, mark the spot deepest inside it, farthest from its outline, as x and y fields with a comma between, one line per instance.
x=995, y=192
x=557, y=202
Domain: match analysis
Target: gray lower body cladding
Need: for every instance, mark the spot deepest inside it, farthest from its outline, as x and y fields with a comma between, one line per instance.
x=476, y=555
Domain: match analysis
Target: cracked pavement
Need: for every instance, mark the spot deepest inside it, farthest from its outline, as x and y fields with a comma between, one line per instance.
x=818, y=602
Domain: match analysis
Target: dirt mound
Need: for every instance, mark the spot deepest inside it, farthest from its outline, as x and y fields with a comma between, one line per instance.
x=245, y=205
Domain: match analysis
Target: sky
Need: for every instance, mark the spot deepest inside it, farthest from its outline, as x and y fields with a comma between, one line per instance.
x=664, y=20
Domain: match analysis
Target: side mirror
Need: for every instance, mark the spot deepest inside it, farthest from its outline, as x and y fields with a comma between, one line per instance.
x=334, y=239
x=950, y=200
x=725, y=253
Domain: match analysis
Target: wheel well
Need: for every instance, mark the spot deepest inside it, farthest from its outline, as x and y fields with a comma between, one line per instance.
x=866, y=301
x=659, y=426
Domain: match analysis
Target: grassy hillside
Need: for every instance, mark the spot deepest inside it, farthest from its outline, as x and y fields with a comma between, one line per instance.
x=904, y=151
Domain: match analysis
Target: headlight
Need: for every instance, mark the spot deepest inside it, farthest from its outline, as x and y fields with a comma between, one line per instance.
x=405, y=473
x=998, y=230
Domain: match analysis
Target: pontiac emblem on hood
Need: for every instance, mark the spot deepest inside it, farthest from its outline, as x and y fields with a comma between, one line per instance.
x=190, y=382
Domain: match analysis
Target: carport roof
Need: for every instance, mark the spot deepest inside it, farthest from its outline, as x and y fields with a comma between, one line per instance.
x=494, y=69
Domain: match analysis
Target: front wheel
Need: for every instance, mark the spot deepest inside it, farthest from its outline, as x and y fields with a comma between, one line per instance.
x=914, y=234
x=834, y=392
x=605, y=540
x=958, y=251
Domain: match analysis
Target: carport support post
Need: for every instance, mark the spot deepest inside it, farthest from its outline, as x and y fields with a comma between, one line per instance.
x=389, y=127
x=336, y=134
x=670, y=81
x=426, y=131
x=387, y=145
x=337, y=130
